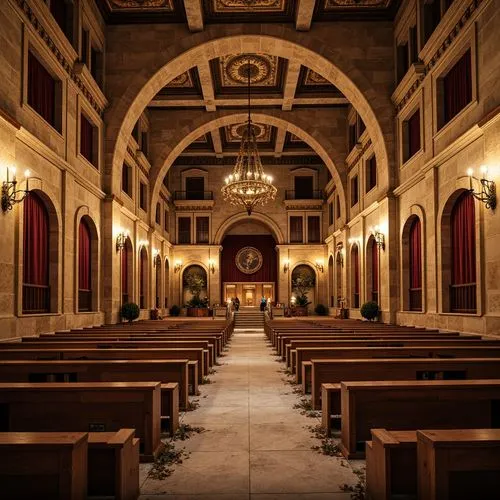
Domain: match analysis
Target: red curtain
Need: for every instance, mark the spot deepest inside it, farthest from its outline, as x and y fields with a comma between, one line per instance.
x=233, y=244
x=86, y=139
x=458, y=87
x=416, y=254
x=41, y=89
x=355, y=263
x=84, y=257
x=125, y=258
x=414, y=133
x=142, y=272
x=463, y=244
x=36, y=242
x=374, y=251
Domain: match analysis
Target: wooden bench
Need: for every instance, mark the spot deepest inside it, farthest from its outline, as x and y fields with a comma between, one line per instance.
x=395, y=342
x=156, y=370
x=326, y=371
x=426, y=351
x=84, y=407
x=182, y=371
x=458, y=464
x=408, y=405
x=43, y=465
x=116, y=452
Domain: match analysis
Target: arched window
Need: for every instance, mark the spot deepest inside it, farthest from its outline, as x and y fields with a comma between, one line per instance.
x=84, y=267
x=166, y=283
x=415, y=265
x=36, y=285
x=143, y=277
x=127, y=271
x=339, y=264
x=463, y=256
x=355, y=276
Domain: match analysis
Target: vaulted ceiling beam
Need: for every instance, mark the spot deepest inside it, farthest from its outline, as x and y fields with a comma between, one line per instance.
x=280, y=142
x=292, y=78
x=305, y=11
x=194, y=15
x=207, y=86
x=216, y=139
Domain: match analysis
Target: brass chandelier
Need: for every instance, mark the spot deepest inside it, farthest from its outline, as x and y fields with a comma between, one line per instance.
x=248, y=185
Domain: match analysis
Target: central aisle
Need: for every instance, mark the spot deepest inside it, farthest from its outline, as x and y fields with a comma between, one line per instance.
x=256, y=445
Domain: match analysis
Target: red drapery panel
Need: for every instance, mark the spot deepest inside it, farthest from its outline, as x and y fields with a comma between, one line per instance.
x=414, y=134
x=86, y=139
x=374, y=256
x=233, y=244
x=125, y=255
x=458, y=87
x=355, y=263
x=84, y=257
x=142, y=272
x=41, y=89
x=416, y=254
x=36, y=242
x=463, y=245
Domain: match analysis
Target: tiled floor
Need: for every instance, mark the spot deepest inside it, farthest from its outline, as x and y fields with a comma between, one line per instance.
x=256, y=445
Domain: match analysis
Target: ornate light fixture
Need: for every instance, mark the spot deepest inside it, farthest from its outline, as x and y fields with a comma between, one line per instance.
x=286, y=265
x=319, y=265
x=211, y=266
x=379, y=237
x=340, y=253
x=488, y=193
x=177, y=266
x=156, y=258
x=10, y=193
x=121, y=238
x=248, y=185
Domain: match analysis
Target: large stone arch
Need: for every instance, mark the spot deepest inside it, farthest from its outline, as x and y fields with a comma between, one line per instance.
x=243, y=216
x=204, y=123
x=148, y=72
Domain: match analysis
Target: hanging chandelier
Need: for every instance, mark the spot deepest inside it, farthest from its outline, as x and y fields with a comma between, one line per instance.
x=248, y=185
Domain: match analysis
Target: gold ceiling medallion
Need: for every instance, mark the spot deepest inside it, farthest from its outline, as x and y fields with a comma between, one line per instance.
x=234, y=133
x=248, y=185
x=263, y=70
x=248, y=260
x=332, y=4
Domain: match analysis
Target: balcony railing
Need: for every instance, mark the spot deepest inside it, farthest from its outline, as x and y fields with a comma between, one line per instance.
x=36, y=299
x=84, y=300
x=463, y=298
x=316, y=194
x=193, y=195
x=415, y=299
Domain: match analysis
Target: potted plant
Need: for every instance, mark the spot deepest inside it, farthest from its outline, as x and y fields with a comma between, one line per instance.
x=301, y=284
x=197, y=306
x=321, y=310
x=370, y=310
x=175, y=310
x=129, y=311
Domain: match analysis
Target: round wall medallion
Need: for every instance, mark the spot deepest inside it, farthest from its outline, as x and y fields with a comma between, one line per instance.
x=248, y=260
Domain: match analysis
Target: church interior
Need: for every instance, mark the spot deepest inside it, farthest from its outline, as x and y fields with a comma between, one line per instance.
x=252, y=249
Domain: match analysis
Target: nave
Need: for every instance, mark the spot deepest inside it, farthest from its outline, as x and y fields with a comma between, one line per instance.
x=256, y=446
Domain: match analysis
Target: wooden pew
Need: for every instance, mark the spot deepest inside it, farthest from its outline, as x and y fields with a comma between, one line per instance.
x=97, y=406
x=308, y=353
x=43, y=465
x=399, y=342
x=458, y=464
x=118, y=452
x=326, y=371
x=113, y=343
x=408, y=405
x=164, y=371
x=177, y=367
x=391, y=465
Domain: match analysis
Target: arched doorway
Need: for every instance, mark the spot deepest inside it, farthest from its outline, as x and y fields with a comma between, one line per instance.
x=88, y=264
x=127, y=271
x=157, y=264
x=143, y=278
x=304, y=285
x=166, y=284
x=355, y=284
x=339, y=263
x=372, y=270
x=194, y=274
x=249, y=264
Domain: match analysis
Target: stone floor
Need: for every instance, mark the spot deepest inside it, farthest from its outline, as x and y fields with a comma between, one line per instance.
x=256, y=445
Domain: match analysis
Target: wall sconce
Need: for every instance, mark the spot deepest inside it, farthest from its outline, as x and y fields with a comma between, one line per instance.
x=319, y=265
x=121, y=238
x=286, y=265
x=143, y=243
x=293, y=300
x=379, y=237
x=211, y=266
x=9, y=191
x=340, y=253
x=177, y=266
x=352, y=241
x=488, y=193
x=156, y=257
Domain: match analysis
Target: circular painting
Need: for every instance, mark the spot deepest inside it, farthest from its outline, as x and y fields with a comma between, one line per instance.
x=248, y=260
